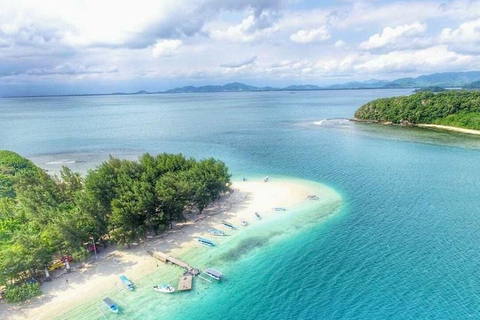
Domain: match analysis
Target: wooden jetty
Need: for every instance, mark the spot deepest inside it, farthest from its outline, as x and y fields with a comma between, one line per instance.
x=189, y=270
x=185, y=283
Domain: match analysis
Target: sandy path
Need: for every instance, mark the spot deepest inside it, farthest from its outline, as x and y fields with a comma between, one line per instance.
x=94, y=279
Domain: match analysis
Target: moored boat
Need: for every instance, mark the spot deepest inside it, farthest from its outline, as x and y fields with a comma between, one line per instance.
x=217, y=233
x=244, y=222
x=213, y=273
x=228, y=225
x=257, y=215
x=164, y=288
x=279, y=209
x=126, y=282
x=206, y=242
x=312, y=197
x=112, y=306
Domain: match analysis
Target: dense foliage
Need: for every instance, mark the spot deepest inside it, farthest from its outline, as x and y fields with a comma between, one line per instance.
x=22, y=293
x=43, y=217
x=453, y=108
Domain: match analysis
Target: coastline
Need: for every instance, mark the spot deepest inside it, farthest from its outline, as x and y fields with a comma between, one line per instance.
x=94, y=281
x=421, y=125
x=448, y=128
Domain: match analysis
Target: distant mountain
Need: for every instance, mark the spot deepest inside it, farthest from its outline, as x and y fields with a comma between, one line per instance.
x=446, y=79
x=473, y=85
x=368, y=84
x=467, y=80
x=229, y=87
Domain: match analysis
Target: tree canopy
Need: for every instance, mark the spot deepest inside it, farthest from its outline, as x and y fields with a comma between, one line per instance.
x=457, y=108
x=44, y=216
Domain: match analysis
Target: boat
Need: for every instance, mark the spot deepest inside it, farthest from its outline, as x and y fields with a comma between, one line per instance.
x=312, y=197
x=215, y=274
x=164, y=288
x=258, y=216
x=206, y=242
x=265, y=179
x=244, y=222
x=126, y=282
x=217, y=233
x=228, y=225
x=112, y=306
x=279, y=209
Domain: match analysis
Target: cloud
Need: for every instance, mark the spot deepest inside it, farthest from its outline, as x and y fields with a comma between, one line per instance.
x=166, y=47
x=310, y=35
x=468, y=32
x=249, y=29
x=240, y=64
x=392, y=36
x=426, y=60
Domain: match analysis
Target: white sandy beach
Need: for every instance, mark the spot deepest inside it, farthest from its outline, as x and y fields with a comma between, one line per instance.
x=449, y=128
x=94, y=279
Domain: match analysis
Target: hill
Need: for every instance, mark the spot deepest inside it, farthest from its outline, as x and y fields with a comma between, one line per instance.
x=457, y=108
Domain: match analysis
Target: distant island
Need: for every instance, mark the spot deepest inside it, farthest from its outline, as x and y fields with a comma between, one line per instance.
x=444, y=110
x=439, y=81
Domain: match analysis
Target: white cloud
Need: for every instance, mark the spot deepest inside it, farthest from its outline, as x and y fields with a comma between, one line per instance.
x=467, y=32
x=310, y=35
x=249, y=29
x=340, y=44
x=390, y=36
x=424, y=61
x=166, y=47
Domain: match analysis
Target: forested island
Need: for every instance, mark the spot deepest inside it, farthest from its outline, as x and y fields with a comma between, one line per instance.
x=455, y=108
x=43, y=217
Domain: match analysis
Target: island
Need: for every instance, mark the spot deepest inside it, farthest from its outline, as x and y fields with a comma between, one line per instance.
x=453, y=110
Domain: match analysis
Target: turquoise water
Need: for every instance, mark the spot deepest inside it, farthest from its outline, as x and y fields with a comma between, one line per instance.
x=405, y=244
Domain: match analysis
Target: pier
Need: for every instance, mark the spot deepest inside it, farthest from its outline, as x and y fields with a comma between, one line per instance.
x=189, y=270
x=185, y=283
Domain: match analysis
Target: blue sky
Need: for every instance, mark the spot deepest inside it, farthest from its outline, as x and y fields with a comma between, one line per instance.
x=52, y=47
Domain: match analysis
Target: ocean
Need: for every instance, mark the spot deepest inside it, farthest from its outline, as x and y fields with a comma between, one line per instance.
x=403, y=243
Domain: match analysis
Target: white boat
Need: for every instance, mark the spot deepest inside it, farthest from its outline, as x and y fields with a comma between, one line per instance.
x=164, y=288
x=126, y=282
x=280, y=209
x=244, y=222
x=265, y=179
x=312, y=197
x=257, y=215
x=214, y=274
x=112, y=306
x=217, y=233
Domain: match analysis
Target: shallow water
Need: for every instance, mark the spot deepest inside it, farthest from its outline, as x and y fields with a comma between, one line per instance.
x=404, y=245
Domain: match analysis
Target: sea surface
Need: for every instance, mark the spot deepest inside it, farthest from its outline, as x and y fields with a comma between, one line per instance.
x=403, y=242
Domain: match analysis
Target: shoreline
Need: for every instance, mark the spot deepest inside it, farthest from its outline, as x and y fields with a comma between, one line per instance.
x=84, y=283
x=448, y=128
x=421, y=125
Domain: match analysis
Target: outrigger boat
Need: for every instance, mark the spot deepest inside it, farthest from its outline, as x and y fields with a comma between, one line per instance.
x=217, y=233
x=228, y=225
x=312, y=197
x=126, y=282
x=112, y=306
x=164, y=288
x=244, y=222
x=258, y=216
x=279, y=209
x=215, y=274
x=206, y=242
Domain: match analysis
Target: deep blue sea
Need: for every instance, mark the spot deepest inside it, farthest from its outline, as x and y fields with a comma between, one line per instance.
x=405, y=244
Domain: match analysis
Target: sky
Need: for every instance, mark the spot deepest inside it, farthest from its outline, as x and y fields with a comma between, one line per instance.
x=83, y=46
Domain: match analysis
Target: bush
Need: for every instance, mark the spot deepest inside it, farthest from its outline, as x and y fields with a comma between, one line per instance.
x=15, y=294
